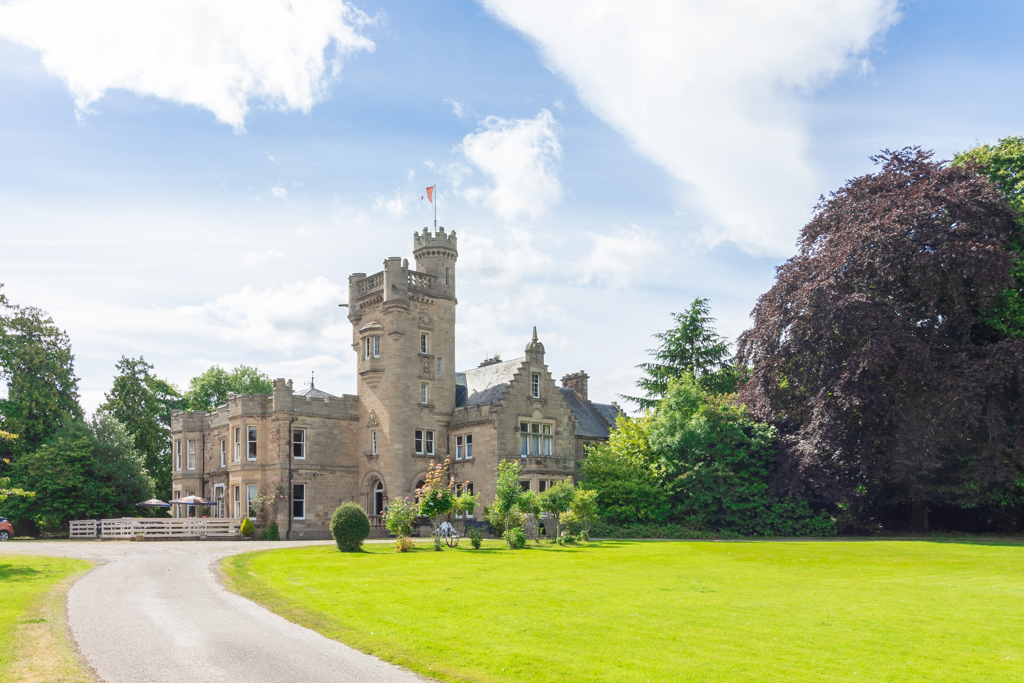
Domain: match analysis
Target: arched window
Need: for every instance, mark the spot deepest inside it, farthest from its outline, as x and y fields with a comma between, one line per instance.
x=378, y=498
x=416, y=494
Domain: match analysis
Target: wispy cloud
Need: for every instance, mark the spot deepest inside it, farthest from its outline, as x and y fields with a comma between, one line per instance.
x=219, y=56
x=253, y=258
x=279, y=192
x=620, y=257
x=712, y=92
x=458, y=108
x=520, y=157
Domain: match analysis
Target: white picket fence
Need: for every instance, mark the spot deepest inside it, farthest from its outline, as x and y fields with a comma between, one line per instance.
x=132, y=527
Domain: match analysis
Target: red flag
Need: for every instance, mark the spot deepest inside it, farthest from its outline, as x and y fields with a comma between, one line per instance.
x=430, y=193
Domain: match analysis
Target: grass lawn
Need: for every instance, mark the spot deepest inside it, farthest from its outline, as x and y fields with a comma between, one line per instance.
x=663, y=611
x=33, y=645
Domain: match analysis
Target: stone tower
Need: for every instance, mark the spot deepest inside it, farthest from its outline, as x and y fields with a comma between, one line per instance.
x=403, y=332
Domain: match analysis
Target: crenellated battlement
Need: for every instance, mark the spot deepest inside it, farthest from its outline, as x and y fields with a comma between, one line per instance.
x=438, y=240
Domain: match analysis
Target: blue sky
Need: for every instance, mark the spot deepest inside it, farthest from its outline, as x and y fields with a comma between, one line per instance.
x=195, y=185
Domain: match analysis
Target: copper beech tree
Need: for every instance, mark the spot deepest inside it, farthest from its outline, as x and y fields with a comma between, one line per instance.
x=872, y=356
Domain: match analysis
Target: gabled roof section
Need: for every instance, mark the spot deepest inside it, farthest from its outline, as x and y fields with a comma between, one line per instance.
x=593, y=420
x=313, y=392
x=486, y=384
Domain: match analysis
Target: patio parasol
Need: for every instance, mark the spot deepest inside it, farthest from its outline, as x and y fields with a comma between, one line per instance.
x=153, y=503
x=192, y=500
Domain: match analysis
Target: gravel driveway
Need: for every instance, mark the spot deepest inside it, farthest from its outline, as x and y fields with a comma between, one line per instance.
x=155, y=612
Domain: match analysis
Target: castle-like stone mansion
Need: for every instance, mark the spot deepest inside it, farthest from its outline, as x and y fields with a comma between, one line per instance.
x=411, y=407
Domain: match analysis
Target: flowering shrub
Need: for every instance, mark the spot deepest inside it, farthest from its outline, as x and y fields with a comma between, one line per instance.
x=437, y=496
x=400, y=515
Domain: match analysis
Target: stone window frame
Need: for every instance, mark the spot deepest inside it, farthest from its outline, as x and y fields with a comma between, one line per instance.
x=177, y=508
x=299, y=445
x=238, y=445
x=371, y=346
x=425, y=343
x=300, y=500
x=251, y=442
x=177, y=454
x=223, y=452
x=190, y=454
x=464, y=446
x=236, y=501
x=219, y=507
x=373, y=442
x=545, y=433
x=438, y=367
x=424, y=393
x=423, y=441
x=251, y=491
x=535, y=385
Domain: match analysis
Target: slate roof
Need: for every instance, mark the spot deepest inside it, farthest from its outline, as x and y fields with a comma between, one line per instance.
x=486, y=384
x=592, y=419
x=313, y=392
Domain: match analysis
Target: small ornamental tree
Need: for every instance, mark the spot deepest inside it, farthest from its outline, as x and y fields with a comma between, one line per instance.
x=350, y=527
x=437, y=496
x=506, y=497
x=465, y=503
x=400, y=515
x=583, y=510
x=247, y=528
x=557, y=500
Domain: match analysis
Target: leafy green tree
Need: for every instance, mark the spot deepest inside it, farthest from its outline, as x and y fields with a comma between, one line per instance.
x=1003, y=164
x=210, y=389
x=42, y=390
x=143, y=403
x=628, y=475
x=506, y=497
x=557, y=500
x=691, y=347
x=582, y=512
x=84, y=471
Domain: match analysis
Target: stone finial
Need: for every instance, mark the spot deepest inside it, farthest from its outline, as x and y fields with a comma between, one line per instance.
x=535, y=346
x=534, y=333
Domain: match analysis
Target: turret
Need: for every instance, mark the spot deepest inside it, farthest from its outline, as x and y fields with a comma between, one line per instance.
x=436, y=255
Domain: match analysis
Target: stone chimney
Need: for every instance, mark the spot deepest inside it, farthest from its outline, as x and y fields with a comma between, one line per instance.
x=577, y=381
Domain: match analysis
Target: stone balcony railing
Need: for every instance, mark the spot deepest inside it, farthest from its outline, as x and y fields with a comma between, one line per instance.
x=418, y=280
x=369, y=285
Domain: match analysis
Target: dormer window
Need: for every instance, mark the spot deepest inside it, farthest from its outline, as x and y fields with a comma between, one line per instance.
x=535, y=385
x=424, y=342
x=424, y=393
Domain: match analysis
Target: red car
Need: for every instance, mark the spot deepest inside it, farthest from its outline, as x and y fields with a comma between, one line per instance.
x=6, y=530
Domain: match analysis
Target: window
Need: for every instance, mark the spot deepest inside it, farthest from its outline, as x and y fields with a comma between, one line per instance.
x=237, y=500
x=371, y=347
x=464, y=447
x=218, y=496
x=238, y=445
x=438, y=367
x=299, y=501
x=535, y=439
x=447, y=277
x=177, y=508
x=535, y=385
x=545, y=484
x=190, y=510
x=424, y=442
x=424, y=342
x=424, y=392
x=524, y=484
x=177, y=455
x=250, y=496
x=373, y=442
x=251, y=454
x=223, y=453
x=190, y=449
x=299, y=444
x=416, y=493
x=467, y=489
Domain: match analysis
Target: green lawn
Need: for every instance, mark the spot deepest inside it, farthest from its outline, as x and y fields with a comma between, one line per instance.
x=28, y=645
x=663, y=611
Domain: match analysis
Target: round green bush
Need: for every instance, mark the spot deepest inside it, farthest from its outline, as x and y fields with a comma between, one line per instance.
x=248, y=528
x=350, y=527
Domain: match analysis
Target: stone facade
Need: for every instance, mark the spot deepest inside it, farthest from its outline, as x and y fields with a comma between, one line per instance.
x=411, y=408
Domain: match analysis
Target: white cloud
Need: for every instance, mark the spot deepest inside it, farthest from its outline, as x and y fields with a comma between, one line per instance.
x=620, y=257
x=520, y=156
x=505, y=263
x=301, y=315
x=254, y=259
x=457, y=108
x=279, y=192
x=216, y=55
x=396, y=206
x=711, y=91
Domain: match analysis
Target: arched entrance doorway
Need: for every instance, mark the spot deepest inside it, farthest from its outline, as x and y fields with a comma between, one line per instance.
x=378, y=498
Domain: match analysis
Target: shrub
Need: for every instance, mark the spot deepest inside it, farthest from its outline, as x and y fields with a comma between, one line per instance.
x=497, y=520
x=248, y=528
x=437, y=541
x=271, y=533
x=404, y=544
x=475, y=538
x=400, y=516
x=350, y=527
x=515, y=538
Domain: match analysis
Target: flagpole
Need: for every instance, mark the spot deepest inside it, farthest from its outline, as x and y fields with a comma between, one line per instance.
x=435, y=207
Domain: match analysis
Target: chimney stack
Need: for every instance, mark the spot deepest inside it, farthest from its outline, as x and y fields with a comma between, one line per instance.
x=577, y=381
